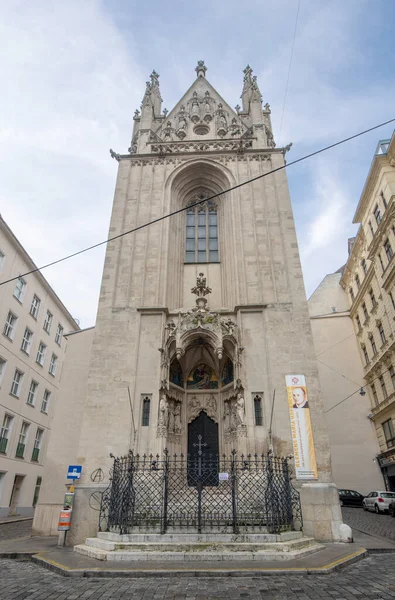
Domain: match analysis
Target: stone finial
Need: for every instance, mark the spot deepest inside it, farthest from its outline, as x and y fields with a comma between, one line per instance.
x=165, y=112
x=201, y=290
x=201, y=69
x=237, y=108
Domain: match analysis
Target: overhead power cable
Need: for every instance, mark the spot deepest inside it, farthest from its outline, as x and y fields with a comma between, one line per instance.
x=357, y=391
x=289, y=68
x=180, y=210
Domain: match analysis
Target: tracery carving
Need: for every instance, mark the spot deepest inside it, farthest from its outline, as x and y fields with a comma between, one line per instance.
x=205, y=402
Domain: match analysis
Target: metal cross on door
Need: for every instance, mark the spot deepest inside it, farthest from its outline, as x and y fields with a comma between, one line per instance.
x=203, y=468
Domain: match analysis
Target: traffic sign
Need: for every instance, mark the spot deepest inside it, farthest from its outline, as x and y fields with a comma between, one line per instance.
x=74, y=472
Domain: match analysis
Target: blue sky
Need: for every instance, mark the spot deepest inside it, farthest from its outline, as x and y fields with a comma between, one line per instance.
x=74, y=72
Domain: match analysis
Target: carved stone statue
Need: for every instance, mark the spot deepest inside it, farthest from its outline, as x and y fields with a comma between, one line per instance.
x=163, y=412
x=240, y=410
x=177, y=417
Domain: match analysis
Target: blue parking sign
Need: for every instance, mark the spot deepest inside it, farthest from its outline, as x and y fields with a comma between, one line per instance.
x=74, y=472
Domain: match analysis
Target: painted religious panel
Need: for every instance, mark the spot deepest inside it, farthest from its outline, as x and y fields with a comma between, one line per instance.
x=202, y=377
x=176, y=375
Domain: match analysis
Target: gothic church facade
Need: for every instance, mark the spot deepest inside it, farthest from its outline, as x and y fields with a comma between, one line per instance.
x=201, y=315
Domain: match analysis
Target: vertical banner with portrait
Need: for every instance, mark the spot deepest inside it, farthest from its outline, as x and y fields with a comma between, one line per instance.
x=302, y=434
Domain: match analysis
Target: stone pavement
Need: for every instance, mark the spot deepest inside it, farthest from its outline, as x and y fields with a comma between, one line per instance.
x=371, y=579
x=10, y=529
x=381, y=525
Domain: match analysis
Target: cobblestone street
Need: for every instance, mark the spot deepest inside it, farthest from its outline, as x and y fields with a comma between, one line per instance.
x=9, y=531
x=382, y=525
x=373, y=579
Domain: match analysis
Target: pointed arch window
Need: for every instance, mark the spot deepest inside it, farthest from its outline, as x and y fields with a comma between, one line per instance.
x=201, y=243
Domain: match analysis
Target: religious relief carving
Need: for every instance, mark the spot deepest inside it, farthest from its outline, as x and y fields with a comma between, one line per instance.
x=168, y=132
x=221, y=122
x=163, y=419
x=205, y=402
x=234, y=417
x=269, y=136
x=209, y=146
x=182, y=123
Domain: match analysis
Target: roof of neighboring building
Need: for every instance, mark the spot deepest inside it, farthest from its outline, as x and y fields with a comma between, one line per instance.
x=385, y=151
x=31, y=265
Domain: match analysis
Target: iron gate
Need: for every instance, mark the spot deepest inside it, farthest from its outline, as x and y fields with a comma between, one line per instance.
x=202, y=493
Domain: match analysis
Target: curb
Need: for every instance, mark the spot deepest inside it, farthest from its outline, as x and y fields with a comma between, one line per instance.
x=16, y=520
x=203, y=572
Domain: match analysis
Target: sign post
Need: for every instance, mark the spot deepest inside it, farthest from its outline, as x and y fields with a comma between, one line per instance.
x=64, y=523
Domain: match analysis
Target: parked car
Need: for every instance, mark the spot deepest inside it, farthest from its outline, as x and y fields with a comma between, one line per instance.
x=391, y=508
x=378, y=501
x=350, y=498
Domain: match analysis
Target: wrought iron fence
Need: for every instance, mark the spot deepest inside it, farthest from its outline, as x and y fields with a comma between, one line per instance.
x=203, y=493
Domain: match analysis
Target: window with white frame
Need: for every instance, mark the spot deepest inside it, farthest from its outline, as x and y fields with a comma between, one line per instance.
x=27, y=341
x=52, y=364
x=3, y=363
x=10, y=325
x=388, y=249
x=45, y=401
x=20, y=288
x=41, y=353
x=2, y=259
x=364, y=266
x=22, y=441
x=5, y=432
x=389, y=433
x=16, y=384
x=35, y=306
x=59, y=334
x=31, y=397
x=377, y=214
x=48, y=321
x=37, y=444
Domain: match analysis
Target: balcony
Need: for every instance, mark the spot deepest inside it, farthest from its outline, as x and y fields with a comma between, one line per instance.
x=3, y=445
x=20, y=451
x=36, y=452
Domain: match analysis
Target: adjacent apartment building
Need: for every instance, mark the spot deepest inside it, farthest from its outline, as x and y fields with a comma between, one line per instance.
x=33, y=322
x=369, y=281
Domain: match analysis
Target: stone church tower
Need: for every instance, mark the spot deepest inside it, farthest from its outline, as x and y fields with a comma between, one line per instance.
x=202, y=315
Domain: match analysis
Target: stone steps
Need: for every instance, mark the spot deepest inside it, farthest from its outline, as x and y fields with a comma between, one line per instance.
x=203, y=550
x=200, y=537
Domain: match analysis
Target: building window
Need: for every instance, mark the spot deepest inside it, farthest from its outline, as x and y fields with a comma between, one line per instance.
x=352, y=294
x=41, y=353
x=20, y=450
x=3, y=363
x=52, y=364
x=372, y=297
x=258, y=409
x=45, y=402
x=382, y=333
x=381, y=262
x=357, y=281
x=392, y=375
x=371, y=228
x=365, y=354
x=377, y=214
x=37, y=491
x=31, y=397
x=35, y=306
x=373, y=344
x=10, y=325
x=27, y=340
x=365, y=311
x=383, y=388
x=389, y=433
x=146, y=410
x=383, y=199
x=48, y=321
x=392, y=300
x=37, y=444
x=59, y=334
x=201, y=233
x=19, y=291
x=2, y=259
x=358, y=320
x=374, y=392
x=16, y=383
x=388, y=250
x=364, y=266
x=5, y=432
